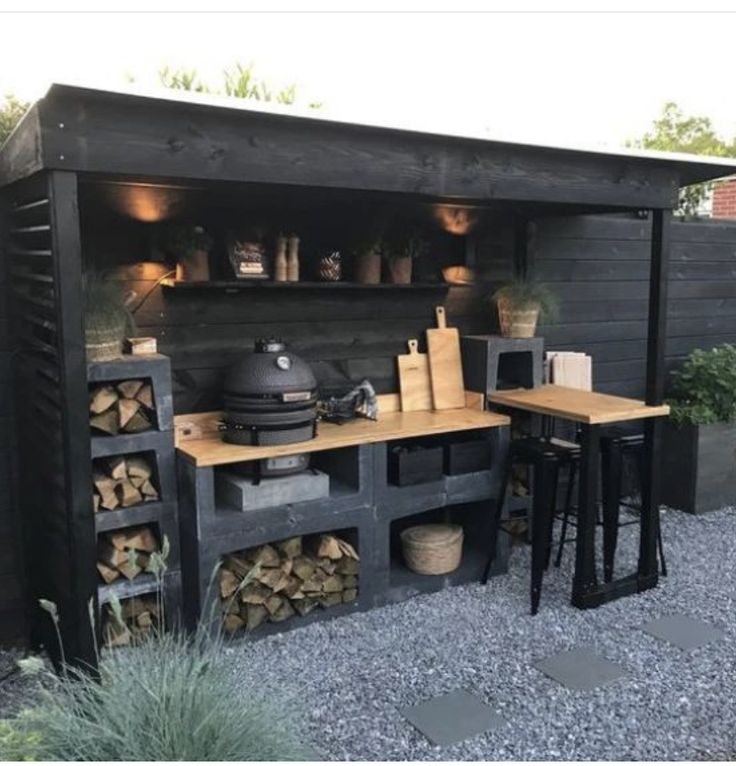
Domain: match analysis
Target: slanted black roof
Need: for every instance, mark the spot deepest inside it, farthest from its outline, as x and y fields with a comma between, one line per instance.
x=194, y=138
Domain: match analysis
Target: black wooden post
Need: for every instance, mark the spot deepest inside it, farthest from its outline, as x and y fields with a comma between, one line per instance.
x=585, y=581
x=656, y=339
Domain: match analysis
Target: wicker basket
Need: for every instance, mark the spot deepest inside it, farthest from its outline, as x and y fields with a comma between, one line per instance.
x=103, y=345
x=517, y=323
x=433, y=549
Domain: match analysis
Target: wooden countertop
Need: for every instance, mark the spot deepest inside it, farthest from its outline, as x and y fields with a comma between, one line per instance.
x=580, y=406
x=210, y=450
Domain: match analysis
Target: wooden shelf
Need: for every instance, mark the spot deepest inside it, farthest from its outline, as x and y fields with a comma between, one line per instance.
x=256, y=284
x=211, y=450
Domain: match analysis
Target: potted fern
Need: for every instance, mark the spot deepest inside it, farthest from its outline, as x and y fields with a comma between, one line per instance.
x=400, y=250
x=191, y=246
x=107, y=319
x=521, y=304
x=368, y=247
x=699, y=442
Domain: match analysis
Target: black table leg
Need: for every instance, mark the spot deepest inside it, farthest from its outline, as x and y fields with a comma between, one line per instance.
x=585, y=581
x=648, y=573
x=544, y=485
x=610, y=500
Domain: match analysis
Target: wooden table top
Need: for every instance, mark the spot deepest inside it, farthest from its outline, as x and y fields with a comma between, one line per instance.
x=211, y=450
x=576, y=405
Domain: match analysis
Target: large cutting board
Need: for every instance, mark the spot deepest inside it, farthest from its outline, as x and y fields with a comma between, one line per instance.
x=445, y=365
x=416, y=392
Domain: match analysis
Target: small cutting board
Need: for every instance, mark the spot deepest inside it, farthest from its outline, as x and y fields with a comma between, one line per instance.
x=445, y=365
x=416, y=392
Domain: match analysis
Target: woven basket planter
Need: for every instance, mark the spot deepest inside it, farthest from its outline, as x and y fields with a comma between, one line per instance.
x=517, y=323
x=433, y=549
x=103, y=346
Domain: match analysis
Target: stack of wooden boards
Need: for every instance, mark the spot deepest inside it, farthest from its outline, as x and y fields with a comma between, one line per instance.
x=433, y=380
x=294, y=576
x=122, y=481
x=125, y=407
x=134, y=622
x=125, y=553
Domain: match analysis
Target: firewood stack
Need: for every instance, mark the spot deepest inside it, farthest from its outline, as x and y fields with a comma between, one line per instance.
x=140, y=616
x=122, y=481
x=125, y=552
x=290, y=577
x=125, y=407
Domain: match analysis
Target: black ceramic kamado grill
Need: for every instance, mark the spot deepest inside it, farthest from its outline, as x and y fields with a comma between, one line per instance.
x=270, y=397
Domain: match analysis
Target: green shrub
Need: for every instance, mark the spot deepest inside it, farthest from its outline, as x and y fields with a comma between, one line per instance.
x=703, y=391
x=530, y=294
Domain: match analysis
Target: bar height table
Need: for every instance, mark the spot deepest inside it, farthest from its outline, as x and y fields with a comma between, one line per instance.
x=591, y=410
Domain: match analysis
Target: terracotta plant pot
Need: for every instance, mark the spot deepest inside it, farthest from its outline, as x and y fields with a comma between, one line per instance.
x=368, y=269
x=400, y=270
x=517, y=322
x=194, y=267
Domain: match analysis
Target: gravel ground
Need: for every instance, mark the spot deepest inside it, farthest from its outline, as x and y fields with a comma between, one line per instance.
x=350, y=676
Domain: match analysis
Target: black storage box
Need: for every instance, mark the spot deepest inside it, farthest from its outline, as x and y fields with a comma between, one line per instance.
x=414, y=464
x=467, y=456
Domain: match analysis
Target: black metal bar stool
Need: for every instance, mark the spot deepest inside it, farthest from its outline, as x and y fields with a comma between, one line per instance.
x=616, y=447
x=545, y=456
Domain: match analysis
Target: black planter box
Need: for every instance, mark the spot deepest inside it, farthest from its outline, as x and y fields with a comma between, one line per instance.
x=467, y=456
x=698, y=466
x=414, y=464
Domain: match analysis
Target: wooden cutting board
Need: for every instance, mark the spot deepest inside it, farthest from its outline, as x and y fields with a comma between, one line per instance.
x=416, y=392
x=445, y=365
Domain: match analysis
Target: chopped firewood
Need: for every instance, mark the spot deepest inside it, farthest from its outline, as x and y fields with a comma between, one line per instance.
x=102, y=399
x=115, y=634
x=107, y=573
x=286, y=566
x=105, y=487
x=273, y=603
x=255, y=593
x=350, y=581
x=139, y=538
x=293, y=587
x=331, y=599
x=239, y=565
x=284, y=611
x=347, y=566
x=349, y=594
x=144, y=620
x=128, y=494
x=126, y=409
x=95, y=502
x=328, y=566
x=333, y=584
x=145, y=396
x=116, y=467
x=329, y=547
x=107, y=422
x=347, y=549
x=266, y=556
x=228, y=583
x=148, y=490
x=303, y=567
x=305, y=605
x=233, y=622
x=132, y=607
x=139, y=467
x=256, y=614
x=269, y=577
x=130, y=568
x=129, y=388
x=109, y=554
x=290, y=548
x=137, y=481
x=139, y=422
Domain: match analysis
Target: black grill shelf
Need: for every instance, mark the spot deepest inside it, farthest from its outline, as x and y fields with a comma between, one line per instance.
x=158, y=444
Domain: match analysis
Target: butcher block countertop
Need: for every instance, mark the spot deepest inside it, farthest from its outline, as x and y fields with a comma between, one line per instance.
x=199, y=441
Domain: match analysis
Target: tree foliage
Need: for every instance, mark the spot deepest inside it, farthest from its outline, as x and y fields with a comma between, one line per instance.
x=674, y=131
x=11, y=110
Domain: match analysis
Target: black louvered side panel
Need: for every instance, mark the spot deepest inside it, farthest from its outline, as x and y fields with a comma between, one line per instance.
x=45, y=275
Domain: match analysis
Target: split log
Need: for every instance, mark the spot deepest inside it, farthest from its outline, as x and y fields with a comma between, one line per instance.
x=128, y=494
x=129, y=388
x=266, y=556
x=347, y=566
x=349, y=594
x=255, y=615
x=145, y=396
x=126, y=409
x=233, y=623
x=328, y=547
x=255, y=593
x=290, y=548
x=102, y=399
x=228, y=583
x=107, y=422
x=108, y=574
x=139, y=467
x=116, y=467
x=139, y=422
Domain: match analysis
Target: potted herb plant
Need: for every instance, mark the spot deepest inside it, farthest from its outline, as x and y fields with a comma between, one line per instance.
x=368, y=246
x=400, y=251
x=190, y=245
x=107, y=319
x=699, y=444
x=521, y=304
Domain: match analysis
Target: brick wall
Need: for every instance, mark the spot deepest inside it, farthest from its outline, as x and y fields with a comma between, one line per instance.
x=724, y=199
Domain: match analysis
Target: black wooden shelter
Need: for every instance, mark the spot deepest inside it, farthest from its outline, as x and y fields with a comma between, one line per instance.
x=79, y=151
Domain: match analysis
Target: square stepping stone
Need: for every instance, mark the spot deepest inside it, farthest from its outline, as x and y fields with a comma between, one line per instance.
x=452, y=718
x=682, y=631
x=580, y=669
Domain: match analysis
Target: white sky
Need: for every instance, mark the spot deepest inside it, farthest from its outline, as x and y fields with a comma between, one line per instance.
x=560, y=78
